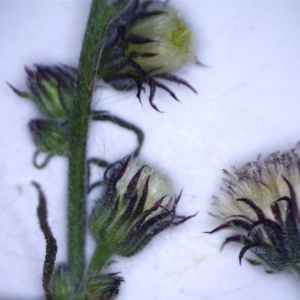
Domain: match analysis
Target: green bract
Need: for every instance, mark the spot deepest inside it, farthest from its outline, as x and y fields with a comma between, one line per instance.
x=136, y=205
x=49, y=136
x=102, y=287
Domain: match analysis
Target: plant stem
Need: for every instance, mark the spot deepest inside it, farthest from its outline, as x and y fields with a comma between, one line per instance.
x=101, y=13
x=100, y=258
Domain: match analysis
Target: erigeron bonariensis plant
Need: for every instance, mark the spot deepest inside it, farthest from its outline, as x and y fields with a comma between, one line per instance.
x=63, y=96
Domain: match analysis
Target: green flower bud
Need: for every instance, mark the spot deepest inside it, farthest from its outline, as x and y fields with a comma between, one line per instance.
x=103, y=286
x=51, y=88
x=172, y=45
x=136, y=205
x=145, y=41
x=62, y=284
x=260, y=201
x=49, y=136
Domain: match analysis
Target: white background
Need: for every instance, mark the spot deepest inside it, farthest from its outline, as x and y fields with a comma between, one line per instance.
x=247, y=104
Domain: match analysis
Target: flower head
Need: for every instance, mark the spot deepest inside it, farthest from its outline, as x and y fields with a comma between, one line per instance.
x=51, y=88
x=62, y=285
x=136, y=205
x=147, y=40
x=171, y=41
x=100, y=286
x=261, y=202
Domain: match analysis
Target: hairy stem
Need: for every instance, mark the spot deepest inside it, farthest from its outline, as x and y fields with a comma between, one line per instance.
x=100, y=259
x=101, y=13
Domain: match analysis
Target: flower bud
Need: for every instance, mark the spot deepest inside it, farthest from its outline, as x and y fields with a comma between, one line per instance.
x=172, y=45
x=136, y=205
x=62, y=284
x=49, y=136
x=145, y=41
x=103, y=286
x=260, y=201
x=51, y=88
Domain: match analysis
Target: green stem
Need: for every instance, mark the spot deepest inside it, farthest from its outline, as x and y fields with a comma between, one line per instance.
x=104, y=116
x=100, y=258
x=101, y=13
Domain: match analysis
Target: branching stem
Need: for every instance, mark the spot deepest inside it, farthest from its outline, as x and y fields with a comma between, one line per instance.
x=101, y=13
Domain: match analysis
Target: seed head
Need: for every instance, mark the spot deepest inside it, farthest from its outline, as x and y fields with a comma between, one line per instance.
x=261, y=201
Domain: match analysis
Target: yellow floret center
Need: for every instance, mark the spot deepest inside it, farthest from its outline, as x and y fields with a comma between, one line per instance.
x=180, y=36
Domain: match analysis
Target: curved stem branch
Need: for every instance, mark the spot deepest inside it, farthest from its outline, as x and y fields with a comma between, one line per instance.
x=105, y=116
